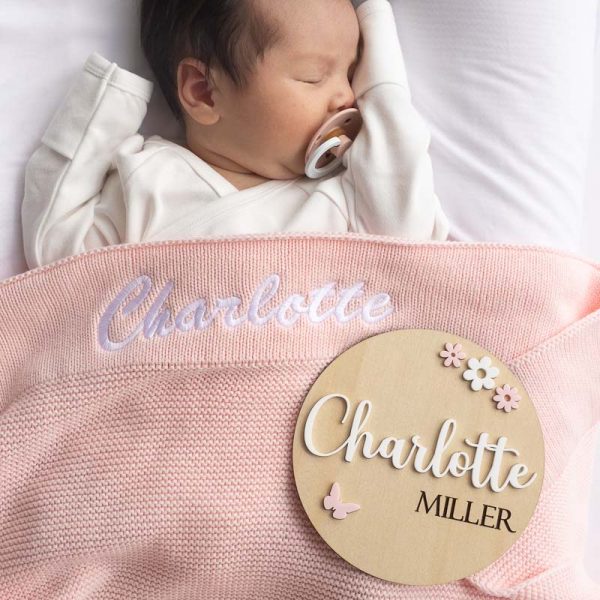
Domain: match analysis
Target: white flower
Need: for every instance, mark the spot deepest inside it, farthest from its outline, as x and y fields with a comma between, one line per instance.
x=472, y=374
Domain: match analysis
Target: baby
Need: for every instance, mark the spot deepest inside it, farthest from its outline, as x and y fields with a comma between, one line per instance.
x=251, y=81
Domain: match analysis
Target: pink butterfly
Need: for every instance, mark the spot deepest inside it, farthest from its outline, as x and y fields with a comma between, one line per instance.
x=340, y=510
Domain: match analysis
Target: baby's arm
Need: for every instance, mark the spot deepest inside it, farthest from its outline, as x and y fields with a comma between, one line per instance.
x=388, y=181
x=66, y=177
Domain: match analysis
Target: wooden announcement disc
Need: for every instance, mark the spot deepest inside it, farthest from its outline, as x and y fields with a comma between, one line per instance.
x=418, y=456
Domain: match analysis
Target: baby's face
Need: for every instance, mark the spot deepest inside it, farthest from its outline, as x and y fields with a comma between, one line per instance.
x=303, y=80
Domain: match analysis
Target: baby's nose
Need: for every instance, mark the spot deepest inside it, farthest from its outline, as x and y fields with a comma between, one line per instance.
x=349, y=103
x=343, y=99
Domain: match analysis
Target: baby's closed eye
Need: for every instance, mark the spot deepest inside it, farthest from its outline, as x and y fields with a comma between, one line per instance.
x=317, y=80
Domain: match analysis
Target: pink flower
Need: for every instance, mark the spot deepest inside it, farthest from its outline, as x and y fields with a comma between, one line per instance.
x=507, y=398
x=452, y=354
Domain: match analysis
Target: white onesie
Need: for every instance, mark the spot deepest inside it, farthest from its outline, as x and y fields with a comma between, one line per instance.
x=95, y=182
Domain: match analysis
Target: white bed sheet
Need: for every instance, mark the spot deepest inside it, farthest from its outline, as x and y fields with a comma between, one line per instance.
x=507, y=88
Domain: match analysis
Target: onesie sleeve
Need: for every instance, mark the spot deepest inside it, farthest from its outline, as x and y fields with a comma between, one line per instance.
x=72, y=197
x=388, y=180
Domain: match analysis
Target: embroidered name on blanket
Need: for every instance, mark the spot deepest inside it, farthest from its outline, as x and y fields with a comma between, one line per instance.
x=158, y=319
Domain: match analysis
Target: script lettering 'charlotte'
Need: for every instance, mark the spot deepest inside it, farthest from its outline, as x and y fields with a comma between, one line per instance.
x=158, y=321
x=392, y=448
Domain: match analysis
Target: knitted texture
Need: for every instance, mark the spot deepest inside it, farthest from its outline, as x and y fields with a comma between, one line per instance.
x=163, y=469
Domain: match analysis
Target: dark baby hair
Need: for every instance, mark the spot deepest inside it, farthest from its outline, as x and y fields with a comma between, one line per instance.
x=231, y=34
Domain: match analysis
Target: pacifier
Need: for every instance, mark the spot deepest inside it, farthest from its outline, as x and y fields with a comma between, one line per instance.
x=332, y=140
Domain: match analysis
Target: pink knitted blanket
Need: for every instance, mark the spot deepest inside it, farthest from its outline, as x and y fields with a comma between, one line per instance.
x=149, y=395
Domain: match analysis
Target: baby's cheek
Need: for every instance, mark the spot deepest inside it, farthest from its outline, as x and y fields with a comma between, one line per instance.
x=284, y=128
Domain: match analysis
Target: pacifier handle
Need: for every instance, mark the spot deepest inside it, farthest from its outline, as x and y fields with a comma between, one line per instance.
x=331, y=146
x=330, y=143
x=345, y=143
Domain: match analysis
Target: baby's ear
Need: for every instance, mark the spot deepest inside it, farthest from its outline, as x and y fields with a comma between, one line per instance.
x=195, y=91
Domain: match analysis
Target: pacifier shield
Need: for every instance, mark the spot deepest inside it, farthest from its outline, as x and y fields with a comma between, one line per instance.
x=418, y=456
x=348, y=123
